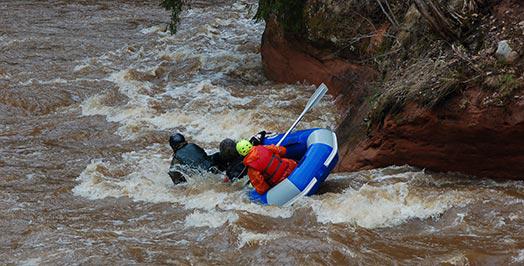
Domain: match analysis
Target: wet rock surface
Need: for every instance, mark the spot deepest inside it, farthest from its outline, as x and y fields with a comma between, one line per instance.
x=436, y=86
x=461, y=137
x=289, y=60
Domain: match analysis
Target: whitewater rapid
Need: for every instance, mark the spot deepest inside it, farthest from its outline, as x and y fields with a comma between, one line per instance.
x=197, y=103
x=90, y=94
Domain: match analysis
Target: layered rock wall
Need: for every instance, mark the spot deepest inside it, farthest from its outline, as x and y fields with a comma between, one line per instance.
x=424, y=82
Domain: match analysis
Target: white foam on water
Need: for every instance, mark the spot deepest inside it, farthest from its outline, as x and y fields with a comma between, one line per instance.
x=81, y=66
x=199, y=103
x=134, y=112
x=211, y=219
x=195, y=99
x=5, y=43
x=386, y=200
x=381, y=205
x=500, y=223
x=248, y=238
x=142, y=176
x=152, y=29
x=52, y=81
x=208, y=112
x=456, y=259
x=513, y=216
x=4, y=75
x=30, y=262
x=519, y=257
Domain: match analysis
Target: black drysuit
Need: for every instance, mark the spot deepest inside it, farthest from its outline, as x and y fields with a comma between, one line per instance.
x=195, y=157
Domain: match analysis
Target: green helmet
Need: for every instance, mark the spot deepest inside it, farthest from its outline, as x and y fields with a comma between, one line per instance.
x=244, y=146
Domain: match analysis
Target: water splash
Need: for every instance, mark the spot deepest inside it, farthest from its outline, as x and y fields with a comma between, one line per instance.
x=248, y=238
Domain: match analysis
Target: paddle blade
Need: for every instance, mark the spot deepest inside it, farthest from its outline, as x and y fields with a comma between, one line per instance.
x=315, y=98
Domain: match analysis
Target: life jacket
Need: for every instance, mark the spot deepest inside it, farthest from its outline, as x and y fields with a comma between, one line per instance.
x=266, y=162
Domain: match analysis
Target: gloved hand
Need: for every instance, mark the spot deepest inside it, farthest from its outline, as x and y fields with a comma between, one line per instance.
x=236, y=172
x=176, y=177
x=258, y=138
x=214, y=170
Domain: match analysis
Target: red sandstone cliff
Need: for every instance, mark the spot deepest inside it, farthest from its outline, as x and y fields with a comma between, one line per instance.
x=448, y=102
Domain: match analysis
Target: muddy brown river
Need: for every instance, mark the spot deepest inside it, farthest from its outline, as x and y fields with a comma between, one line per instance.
x=91, y=90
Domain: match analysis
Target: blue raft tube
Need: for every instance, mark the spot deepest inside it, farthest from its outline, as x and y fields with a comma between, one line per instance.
x=316, y=151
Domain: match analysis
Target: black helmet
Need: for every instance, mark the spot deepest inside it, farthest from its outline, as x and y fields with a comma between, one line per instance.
x=176, y=141
x=228, y=150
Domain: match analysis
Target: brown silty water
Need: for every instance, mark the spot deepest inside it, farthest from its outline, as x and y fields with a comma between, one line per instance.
x=90, y=91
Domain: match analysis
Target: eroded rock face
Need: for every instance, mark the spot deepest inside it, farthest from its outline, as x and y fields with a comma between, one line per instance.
x=289, y=60
x=463, y=136
x=469, y=118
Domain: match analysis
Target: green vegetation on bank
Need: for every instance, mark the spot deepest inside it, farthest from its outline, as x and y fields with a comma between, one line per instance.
x=289, y=13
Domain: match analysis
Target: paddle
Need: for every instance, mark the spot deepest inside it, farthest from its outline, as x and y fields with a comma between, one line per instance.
x=313, y=101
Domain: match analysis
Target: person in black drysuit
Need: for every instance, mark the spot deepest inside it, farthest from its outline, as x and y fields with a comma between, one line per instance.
x=232, y=161
x=193, y=156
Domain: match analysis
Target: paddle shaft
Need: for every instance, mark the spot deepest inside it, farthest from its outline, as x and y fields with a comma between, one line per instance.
x=313, y=101
x=292, y=127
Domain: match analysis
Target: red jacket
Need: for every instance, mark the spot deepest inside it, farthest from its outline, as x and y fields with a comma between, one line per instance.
x=266, y=168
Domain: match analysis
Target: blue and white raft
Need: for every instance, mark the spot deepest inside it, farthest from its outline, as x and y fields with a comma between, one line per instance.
x=316, y=150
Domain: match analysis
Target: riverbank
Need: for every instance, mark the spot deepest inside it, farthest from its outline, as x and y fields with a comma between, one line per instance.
x=419, y=85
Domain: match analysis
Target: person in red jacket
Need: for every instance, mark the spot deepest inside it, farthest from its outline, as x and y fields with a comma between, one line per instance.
x=266, y=167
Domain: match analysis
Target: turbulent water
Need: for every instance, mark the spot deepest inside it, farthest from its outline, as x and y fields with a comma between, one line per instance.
x=91, y=90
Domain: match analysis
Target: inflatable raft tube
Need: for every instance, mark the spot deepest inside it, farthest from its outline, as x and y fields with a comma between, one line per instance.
x=316, y=151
